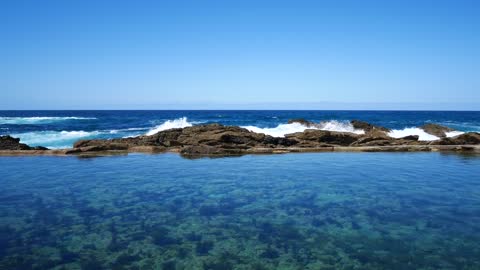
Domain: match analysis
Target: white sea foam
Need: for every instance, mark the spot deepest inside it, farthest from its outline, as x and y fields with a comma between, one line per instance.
x=54, y=139
x=169, y=124
x=422, y=135
x=341, y=126
x=453, y=133
x=283, y=129
x=278, y=131
x=38, y=119
x=115, y=131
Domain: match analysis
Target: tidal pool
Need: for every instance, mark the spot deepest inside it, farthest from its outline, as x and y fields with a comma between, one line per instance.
x=292, y=211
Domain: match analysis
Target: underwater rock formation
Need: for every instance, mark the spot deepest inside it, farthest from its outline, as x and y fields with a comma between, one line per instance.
x=220, y=140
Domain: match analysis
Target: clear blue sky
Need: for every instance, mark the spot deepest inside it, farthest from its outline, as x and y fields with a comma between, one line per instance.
x=240, y=54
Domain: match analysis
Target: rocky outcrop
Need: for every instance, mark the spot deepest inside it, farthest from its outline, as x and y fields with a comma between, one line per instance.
x=9, y=143
x=367, y=127
x=212, y=139
x=220, y=140
x=436, y=130
x=315, y=137
x=463, y=139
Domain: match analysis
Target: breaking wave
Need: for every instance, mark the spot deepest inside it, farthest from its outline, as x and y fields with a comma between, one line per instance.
x=283, y=129
x=54, y=139
x=453, y=133
x=38, y=120
x=169, y=124
x=422, y=135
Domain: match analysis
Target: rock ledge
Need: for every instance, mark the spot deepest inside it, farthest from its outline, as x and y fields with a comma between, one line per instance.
x=220, y=140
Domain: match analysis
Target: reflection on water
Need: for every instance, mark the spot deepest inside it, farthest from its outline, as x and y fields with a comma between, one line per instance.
x=295, y=211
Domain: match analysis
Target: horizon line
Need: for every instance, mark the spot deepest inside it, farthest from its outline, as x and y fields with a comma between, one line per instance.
x=353, y=110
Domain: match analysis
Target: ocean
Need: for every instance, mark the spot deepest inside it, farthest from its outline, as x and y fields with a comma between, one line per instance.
x=286, y=211
x=60, y=129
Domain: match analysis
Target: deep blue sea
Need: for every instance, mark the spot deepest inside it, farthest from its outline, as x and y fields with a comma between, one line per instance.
x=290, y=211
x=60, y=129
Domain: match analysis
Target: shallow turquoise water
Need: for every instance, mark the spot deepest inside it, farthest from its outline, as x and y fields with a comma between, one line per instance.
x=293, y=211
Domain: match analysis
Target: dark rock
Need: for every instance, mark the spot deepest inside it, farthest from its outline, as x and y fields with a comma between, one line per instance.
x=302, y=122
x=411, y=138
x=212, y=139
x=373, y=137
x=9, y=143
x=372, y=141
x=357, y=124
x=466, y=138
x=314, y=136
x=39, y=148
x=436, y=130
x=279, y=141
x=206, y=150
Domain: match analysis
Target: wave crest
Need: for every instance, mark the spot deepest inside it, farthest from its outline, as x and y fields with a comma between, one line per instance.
x=169, y=124
x=283, y=129
x=54, y=139
x=454, y=133
x=422, y=135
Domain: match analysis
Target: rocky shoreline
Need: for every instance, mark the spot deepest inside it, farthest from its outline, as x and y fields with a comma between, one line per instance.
x=219, y=140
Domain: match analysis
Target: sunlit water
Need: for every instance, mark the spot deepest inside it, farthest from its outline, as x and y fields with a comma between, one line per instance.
x=293, y=211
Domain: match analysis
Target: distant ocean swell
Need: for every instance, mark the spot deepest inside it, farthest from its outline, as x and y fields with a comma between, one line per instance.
x=38, y=120
x=65, y=139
